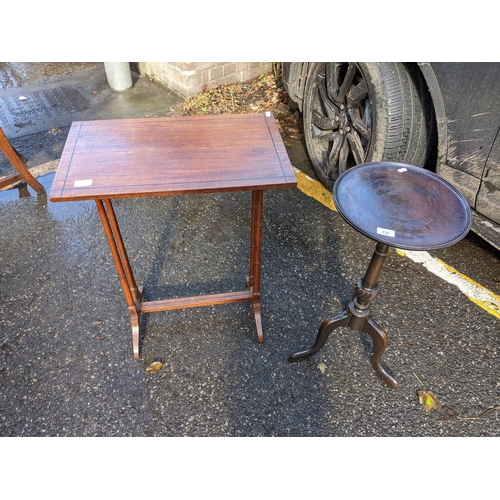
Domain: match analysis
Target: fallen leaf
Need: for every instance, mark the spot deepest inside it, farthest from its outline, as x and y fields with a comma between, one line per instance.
x=429, y=401
x=255, y=96
x=154, y=367
x=322, y=367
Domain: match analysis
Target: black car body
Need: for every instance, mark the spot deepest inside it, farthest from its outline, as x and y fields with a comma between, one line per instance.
x=441, y=116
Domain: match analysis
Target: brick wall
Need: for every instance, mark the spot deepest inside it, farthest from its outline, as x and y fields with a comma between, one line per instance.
x=190, y=78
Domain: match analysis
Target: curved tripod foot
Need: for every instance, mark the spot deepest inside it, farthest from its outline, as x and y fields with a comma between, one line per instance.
x=258, y=321
x=135, y=317
x=324, y=331
x=379, y=338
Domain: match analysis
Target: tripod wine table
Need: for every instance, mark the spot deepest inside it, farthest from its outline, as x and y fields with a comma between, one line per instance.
x=397, y=205
x=108, y=159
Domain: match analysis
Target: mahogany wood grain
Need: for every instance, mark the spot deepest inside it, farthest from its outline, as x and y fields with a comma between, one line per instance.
x=169, y=156
x=196, y=301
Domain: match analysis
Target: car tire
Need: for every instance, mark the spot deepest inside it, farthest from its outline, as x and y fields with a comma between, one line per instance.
x=359, y=112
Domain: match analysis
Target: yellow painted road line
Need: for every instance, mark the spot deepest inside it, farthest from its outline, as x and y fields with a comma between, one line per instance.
x=478, y=294
x=314, y=189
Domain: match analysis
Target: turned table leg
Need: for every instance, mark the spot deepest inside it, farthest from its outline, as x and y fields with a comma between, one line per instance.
x=255, y=254
x=133, y=294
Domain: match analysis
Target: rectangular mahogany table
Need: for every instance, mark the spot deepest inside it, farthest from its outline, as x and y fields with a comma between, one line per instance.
x=108, y=159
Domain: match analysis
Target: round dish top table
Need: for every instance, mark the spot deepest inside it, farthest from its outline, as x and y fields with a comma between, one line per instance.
x=402, y=206
x=397, y=205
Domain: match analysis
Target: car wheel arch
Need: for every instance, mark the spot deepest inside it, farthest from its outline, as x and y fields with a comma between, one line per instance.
x=439, y=111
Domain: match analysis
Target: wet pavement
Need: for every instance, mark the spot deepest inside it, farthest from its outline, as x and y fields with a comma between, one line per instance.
x=66, y=362
x=38, y=103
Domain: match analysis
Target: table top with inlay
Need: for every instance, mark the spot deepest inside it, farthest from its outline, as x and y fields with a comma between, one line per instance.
x=170, y=156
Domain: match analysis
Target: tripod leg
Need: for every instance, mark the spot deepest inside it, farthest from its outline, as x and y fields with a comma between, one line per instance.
x=324, y=331
x=379, y=338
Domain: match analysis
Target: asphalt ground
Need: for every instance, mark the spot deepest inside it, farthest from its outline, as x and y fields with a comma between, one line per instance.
x=66, y=363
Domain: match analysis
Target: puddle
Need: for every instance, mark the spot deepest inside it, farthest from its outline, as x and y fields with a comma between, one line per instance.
x=60, y=210
x=40, y=104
